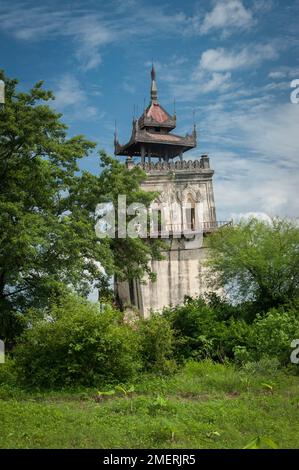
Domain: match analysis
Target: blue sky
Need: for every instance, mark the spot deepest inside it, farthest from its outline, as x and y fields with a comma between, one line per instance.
x=231, y=61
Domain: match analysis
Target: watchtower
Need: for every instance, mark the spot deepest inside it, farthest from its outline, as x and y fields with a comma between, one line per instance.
x=185, y=203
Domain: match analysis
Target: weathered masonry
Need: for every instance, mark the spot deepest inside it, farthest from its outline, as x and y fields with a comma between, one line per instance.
x=186, y=206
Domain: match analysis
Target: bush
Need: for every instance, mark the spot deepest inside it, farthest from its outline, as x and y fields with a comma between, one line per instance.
x=190, y=323
x=271, y=337
x=156, y=339
x=265, y=366
x=8, y=375
x=200, y=334
x=78, y=343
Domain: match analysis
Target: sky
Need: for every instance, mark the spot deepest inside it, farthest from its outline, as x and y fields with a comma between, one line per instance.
x=229, y=63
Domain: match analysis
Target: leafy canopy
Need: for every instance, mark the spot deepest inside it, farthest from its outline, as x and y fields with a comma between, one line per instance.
x=47, y=209
x=258, y=261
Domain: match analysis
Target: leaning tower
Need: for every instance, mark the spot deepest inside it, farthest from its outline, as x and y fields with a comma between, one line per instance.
x=185, y=206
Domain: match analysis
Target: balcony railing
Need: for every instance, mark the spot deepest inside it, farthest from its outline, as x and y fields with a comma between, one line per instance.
x=214, y=225
x=177, y=231
x=184, y=165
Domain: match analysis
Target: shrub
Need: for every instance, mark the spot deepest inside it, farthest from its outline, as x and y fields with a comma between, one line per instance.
x=156, y=339
x=78, y=343
x=265, y=366
x=189, y=322
x=8, y=375
x=200, y=334
x=271, y=336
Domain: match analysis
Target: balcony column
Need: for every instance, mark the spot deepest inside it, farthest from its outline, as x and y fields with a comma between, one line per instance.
x=181, y=155
x=142, y=154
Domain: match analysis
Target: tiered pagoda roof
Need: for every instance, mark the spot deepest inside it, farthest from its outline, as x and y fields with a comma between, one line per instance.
x=151, y=134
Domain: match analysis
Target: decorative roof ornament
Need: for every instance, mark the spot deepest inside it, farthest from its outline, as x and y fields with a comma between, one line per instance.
x=115, y=133
x=194, y=133
x=151, y=132
x=154, y=89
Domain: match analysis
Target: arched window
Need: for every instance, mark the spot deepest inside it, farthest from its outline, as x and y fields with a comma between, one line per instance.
x=190, y=214
x=157, y=221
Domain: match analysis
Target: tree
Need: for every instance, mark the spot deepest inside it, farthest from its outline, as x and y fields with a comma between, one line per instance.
x=258, y=261
x=47, y=234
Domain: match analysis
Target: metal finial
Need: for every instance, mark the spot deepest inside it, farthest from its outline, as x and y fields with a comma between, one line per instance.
x=153, y=71
x=194, y=124
x=115, y=130
x=154, y=90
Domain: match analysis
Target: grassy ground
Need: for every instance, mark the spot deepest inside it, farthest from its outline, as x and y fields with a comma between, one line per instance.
x=203, y=406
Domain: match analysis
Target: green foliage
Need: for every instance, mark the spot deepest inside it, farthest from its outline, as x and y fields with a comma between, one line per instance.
x=156, y=339
x=271, y=337
x=108, y=393
x=130, y=255
x=37, y=166
x=126, y=391
x=265, y=365
x=47, y=211
x=199, y=333
x=78, y=343
x=8, y=375
x=261, y=442
x=258, y=261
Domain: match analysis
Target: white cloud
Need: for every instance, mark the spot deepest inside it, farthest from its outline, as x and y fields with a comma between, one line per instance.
x=260, y=172
x=200, y=84
x=69, y=92
x=246, y=216
x=70, y=97
x=216, y=82
x=213, y=72
x=275, y=133
x=284, y=72
x=277, y=75
x=30, y=23
x=91, y=35
x=221, y=60
x=227, y=15
x=89, y=32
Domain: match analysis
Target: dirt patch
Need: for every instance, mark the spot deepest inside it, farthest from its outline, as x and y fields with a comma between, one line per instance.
x=234, y=394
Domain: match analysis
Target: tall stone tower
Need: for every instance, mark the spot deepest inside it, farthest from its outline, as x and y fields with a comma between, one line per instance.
x=185, y=204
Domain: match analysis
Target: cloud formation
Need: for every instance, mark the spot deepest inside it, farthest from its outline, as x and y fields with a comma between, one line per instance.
x=231, y=60
x=72, y=99
x=222, y=60
x=89, y=31
x=226, y=15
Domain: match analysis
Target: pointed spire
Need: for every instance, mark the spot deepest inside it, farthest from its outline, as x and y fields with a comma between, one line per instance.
x=153, y=72
x=194, y=131
x=194, y=125
x=154, y=90
x=116, y=144
x=115, y=132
